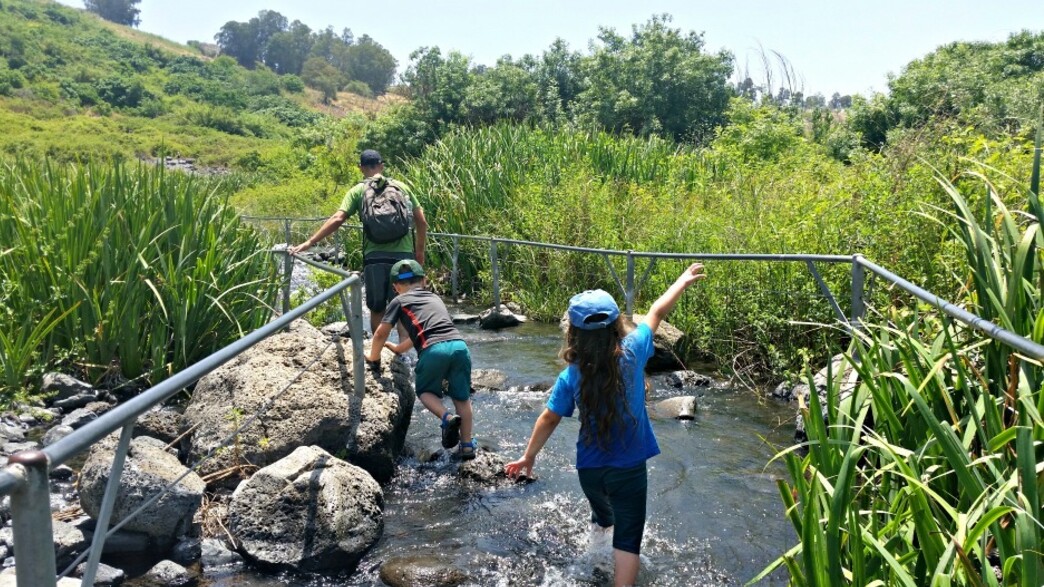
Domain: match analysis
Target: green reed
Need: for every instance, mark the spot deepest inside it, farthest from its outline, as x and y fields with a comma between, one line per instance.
x=136, y=271
x=928, y=473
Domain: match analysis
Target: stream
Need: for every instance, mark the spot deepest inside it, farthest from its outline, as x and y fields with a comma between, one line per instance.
x=714, y=513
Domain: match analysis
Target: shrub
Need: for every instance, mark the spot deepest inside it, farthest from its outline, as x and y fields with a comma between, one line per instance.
x=293, y=83
x=358, y=88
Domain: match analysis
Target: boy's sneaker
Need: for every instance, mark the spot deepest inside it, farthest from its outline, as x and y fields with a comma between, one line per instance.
x=450, y=430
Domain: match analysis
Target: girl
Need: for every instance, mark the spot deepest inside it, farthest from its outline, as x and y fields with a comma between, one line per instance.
x=605, y=379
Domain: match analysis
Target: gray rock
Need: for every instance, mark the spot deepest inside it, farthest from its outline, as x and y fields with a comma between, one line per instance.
x=4, y=551
x=169, y=574
x=309, y=511
x=104, y=576
x=678, y=408
x=495, y=319
x=488, y=379
x=844, y=377
x=9, y=579
x=77, y=401
x=187, y=551
x=680, y=379
x=56, y=433
x=79, y=418
x=319, y=408
x=69, y=542
x=149, y=468
x=61, y=386
x=486, y=468
x=61, y=473
x=666, y=339
x=422, y=570
x=464, y=318
x=11, y=448
x=12, y=432
x=7, y=536
x=336, y=329
x=161, y=423
x=214, y=554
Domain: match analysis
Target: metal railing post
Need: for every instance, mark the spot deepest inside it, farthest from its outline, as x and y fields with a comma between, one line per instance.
x=101, y=526
x=453, y=273
x=31, y=513
x=629, y=290
x=288, y=269
x=355, y=323
x=495, y=267
x=858, y=285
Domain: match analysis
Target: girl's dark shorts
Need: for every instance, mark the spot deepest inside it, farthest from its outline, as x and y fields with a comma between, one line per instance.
x=617, y=498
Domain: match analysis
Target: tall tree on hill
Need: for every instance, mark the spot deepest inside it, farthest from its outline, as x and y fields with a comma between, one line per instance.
x=117, y=11
x=370, y=63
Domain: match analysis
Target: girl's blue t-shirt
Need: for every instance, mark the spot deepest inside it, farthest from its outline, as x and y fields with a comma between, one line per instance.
x=634, y=442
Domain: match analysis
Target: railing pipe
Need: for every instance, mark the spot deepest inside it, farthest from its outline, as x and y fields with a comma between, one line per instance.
x=454, y=272
x=288, y=269
x=31, y=518
x=495, y=268
x=108, y=501
x=629, y=292
x=356, y=324
x=1025, y=345
x=858, y=291
x=62, y=450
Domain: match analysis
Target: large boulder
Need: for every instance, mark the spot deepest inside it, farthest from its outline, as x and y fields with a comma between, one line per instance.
x=148, y=469
x=309, y=511
x=844, y=377
x=307, y=404
x=665, y=340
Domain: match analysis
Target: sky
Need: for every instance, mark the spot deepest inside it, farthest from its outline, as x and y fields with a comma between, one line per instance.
x=845, y=47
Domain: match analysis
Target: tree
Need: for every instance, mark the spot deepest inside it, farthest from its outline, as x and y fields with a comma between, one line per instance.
x=658, y=81
x=370, y=63
x=322, y=76
x=118, y=11
x=288, y=50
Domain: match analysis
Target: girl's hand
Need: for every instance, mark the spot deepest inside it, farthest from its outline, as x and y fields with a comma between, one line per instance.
x=691, y=275
x=523, y=466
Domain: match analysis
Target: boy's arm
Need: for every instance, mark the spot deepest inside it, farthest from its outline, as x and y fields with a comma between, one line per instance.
x=379, y=338
x=400, y=348
x=663, y=305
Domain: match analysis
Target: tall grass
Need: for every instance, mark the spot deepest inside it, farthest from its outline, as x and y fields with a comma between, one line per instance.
x=128, y=270
x=647, y=194
x=929, y=473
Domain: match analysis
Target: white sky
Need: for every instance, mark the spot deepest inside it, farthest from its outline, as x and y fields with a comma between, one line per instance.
x=843, y=46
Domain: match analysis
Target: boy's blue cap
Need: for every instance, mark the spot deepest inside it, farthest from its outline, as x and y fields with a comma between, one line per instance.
x=593, y=309
x=406, y=269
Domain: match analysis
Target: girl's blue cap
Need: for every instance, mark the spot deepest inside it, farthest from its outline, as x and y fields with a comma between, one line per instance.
x=593, y=309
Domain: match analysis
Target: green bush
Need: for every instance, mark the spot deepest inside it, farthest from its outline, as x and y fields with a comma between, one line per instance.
x=358, y=88
x=293, y=83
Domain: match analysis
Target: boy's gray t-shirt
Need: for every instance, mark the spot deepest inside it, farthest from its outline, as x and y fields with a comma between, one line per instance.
x=424, y=316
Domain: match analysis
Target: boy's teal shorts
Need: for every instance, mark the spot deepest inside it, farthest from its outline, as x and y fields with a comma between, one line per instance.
x=449, y=361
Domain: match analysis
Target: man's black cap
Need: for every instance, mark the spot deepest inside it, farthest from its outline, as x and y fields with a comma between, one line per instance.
x=370, y=158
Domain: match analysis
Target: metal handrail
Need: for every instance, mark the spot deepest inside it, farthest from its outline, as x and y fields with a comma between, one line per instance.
x=25, y=478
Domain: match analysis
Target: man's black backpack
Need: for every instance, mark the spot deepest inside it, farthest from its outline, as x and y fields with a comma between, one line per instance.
x=385, y=212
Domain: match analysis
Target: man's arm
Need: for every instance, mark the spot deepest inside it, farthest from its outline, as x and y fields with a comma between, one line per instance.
x=421, y=240
x=329, y=227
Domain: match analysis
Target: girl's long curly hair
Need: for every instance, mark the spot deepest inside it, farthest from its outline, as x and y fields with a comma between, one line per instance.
x=603, y=404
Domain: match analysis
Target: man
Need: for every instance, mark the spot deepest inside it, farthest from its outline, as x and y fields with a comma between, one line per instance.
x=378, y=257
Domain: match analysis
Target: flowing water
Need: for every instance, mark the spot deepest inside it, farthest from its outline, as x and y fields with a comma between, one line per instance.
x=714, y=516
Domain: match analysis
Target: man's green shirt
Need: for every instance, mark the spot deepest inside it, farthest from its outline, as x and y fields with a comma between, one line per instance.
x=353, y=201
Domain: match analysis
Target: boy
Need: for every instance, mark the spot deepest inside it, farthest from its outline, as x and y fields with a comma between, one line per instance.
x=442, y=354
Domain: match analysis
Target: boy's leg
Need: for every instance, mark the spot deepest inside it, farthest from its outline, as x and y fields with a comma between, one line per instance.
x=433, y=403
x=464, y=411
x=459, y=378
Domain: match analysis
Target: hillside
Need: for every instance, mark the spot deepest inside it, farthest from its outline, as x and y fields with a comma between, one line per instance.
x=74, y=86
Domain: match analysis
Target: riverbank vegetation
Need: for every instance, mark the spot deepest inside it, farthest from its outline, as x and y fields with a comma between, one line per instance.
x=927, y=473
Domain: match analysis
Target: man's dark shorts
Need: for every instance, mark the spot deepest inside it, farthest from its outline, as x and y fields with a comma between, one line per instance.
x=377, y=278
x=617, y=497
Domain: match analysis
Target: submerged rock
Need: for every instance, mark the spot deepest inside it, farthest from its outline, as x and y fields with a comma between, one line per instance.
x=423, y=570
x=309, y=511
x=678, y=408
